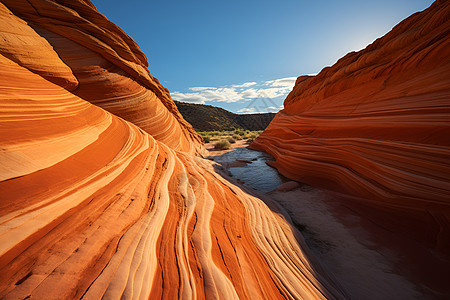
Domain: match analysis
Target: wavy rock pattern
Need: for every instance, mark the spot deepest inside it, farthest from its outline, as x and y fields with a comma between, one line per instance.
x=110, y=70
x=376, y=125
x=94, y=206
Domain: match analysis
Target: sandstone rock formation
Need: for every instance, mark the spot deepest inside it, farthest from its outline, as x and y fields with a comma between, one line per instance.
x=101, y=193
x=103, y=64
x=376, y=125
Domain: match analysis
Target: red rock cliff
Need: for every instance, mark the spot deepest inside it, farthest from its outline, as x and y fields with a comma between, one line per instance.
x=101, y=194
x=106, y=66
x=376, y=125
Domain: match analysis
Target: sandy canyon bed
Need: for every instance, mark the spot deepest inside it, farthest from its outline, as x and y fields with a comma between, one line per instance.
x=368, y=261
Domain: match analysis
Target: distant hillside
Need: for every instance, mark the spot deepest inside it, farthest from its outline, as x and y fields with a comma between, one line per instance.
x=208, y=118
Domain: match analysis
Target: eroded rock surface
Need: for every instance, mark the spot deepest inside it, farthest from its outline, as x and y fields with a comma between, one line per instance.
x=375, y=125
x=103, y=193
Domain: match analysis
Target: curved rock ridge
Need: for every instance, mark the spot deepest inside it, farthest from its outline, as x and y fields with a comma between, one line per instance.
x=104, y=65
x=93, y=206
x=377, y=125
x=22, y=44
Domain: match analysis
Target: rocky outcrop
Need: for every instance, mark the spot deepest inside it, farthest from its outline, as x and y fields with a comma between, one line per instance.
x=101, y=192
x=375, y=125
x=110, y=70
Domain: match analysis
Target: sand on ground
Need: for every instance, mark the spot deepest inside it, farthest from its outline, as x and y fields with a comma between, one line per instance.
x=361, y=265
x=364, y=268
x=214, y=152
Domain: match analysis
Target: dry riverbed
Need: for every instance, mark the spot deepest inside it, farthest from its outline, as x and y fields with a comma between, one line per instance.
x=360, y=263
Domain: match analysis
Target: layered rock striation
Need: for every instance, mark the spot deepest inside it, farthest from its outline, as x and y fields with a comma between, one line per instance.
x=376, y=125
x=102, y=190
x=103, y=65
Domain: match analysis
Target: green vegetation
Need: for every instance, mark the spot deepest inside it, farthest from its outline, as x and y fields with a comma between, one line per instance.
x=222, y=145
x=209, y=118
x=206, y=138
x=230, y=136
x=231, y=140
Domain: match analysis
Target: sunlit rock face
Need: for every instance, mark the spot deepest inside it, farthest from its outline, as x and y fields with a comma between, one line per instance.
x=101, y=191
x=105, y=66
x=377, y=125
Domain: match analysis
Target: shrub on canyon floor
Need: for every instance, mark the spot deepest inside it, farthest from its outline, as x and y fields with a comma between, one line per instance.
x=231, y=140
x=222, y=145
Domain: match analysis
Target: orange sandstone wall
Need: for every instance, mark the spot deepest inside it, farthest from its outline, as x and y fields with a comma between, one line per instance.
x=93, y=206
x=106, y=67
x=377, y=125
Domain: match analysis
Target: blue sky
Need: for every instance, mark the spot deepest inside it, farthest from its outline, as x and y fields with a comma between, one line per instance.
x=243, y=55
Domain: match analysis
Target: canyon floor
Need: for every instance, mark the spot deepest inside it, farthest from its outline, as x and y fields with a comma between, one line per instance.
x=105, y=192
x=348, y=246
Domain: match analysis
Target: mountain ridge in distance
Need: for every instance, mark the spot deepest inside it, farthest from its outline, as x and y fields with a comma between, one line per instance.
x=208, y=118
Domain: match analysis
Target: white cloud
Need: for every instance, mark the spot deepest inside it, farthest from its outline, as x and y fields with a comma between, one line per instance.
x=246, y=84
x=223, y=95
x=258, y=109
x=209, y=94
x=282, y=82
x=271, y=92
x=246, y=110
x=200, y=88
x=248, y=91
x=190, y=97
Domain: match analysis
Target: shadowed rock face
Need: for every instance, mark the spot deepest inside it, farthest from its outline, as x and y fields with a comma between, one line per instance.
x=101, y=192
x=376, y=125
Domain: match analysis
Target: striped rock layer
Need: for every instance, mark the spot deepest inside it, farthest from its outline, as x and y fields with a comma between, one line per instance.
x=95, y=60
x=376, y=125
x=102, y=190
